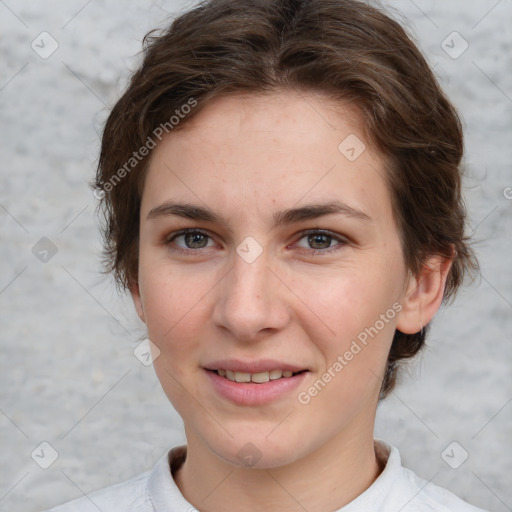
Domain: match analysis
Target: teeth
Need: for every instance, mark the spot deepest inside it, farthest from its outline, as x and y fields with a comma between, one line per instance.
x=275, y=374
x=259, y=378
x=242, y=377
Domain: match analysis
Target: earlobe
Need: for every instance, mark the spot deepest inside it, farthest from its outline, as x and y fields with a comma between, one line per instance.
x=424, y=295
x=137, y=300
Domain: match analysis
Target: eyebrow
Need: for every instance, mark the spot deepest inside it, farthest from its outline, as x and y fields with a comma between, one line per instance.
x=281, y=218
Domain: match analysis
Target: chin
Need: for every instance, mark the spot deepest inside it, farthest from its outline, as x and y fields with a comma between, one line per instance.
x=257, y=450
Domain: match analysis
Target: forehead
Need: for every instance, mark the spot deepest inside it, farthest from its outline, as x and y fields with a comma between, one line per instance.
x=282, y=148
x=288, y=118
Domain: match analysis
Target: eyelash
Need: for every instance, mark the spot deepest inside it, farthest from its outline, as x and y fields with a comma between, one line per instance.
x=308, y=252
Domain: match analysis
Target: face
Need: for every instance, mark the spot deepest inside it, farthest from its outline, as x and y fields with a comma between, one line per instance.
x=275, y=310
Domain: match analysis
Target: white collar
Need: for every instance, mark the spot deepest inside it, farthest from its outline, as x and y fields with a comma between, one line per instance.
x=166, y=496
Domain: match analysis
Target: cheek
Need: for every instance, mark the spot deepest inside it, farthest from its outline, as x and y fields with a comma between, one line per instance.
x=353, y=359
x=175, y=307
x=171, y=294
x=343, y=302
x=352, y=328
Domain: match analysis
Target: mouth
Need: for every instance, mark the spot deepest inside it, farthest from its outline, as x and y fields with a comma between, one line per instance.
x=254, y=383
x=257, y=377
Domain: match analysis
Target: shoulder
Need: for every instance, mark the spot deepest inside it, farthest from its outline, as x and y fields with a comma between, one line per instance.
x=146, y=492
x=415, y=494
x=122, y=497
x=427, y=497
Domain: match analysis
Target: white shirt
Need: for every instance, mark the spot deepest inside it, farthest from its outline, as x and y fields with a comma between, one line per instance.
x=396, y=489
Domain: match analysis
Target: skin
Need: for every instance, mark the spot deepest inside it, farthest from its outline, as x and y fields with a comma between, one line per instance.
x=246, y=157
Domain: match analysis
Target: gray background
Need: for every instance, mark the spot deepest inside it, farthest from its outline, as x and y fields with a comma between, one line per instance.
x=68, y=375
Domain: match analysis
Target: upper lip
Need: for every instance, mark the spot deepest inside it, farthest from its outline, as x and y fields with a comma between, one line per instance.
x=262, y=365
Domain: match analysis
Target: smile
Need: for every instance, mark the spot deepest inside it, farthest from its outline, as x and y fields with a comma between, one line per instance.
x=254, y=383
x=258, y=378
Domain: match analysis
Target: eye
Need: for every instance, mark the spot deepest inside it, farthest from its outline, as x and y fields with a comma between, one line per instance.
x=191, y=240
x=321, y=242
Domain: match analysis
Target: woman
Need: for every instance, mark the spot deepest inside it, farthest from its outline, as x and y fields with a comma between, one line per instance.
x=281, y=185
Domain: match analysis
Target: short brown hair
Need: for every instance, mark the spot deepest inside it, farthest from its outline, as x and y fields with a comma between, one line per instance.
x=345, y=49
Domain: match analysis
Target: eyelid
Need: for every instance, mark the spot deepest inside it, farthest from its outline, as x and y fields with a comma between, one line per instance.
x=320, y=231
x=343, y=240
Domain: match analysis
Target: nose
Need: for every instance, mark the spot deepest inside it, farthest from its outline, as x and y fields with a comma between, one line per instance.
x=250, y=301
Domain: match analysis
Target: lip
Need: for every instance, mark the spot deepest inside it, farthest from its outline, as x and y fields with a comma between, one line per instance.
x=251, y=393
x=262, y=365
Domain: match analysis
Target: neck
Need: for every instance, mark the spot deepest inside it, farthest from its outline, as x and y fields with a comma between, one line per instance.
x=327, y=479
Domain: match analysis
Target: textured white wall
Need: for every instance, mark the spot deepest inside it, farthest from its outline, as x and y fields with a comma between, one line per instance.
x=67, y=372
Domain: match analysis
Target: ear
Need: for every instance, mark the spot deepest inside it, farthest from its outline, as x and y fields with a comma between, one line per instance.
x=137, y=300
x=424, y=295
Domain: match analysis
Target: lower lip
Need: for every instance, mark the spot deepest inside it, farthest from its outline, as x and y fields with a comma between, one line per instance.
x=247, y=393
